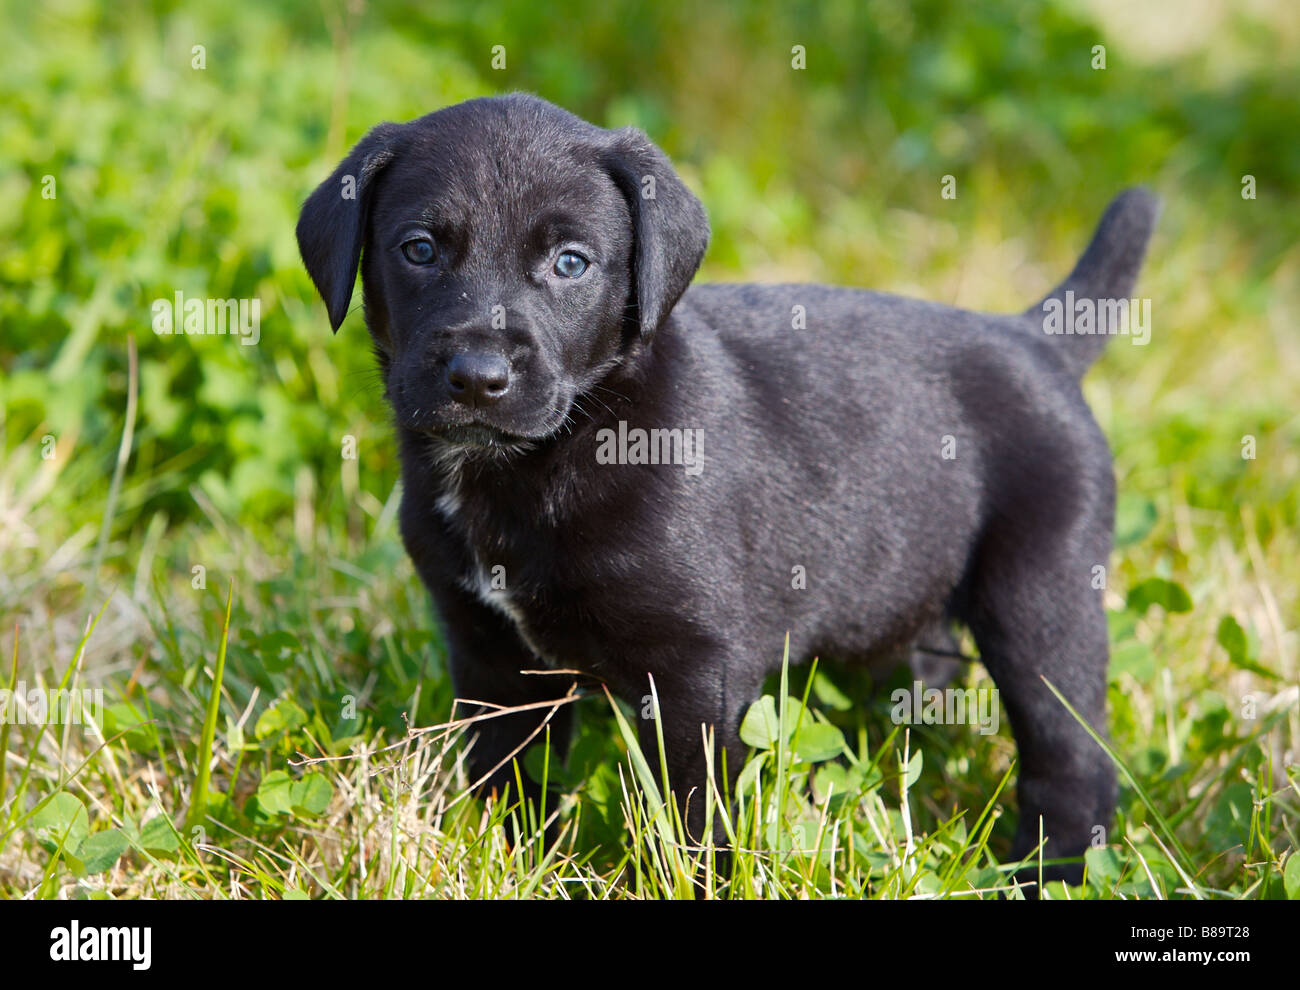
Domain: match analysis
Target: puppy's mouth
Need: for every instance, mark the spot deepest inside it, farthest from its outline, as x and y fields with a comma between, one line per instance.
x=458, y=428
x=455, y=429
x=475, y=435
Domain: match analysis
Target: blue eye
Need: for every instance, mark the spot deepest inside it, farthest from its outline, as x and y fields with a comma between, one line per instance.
x=570, y=264
x=419, y=251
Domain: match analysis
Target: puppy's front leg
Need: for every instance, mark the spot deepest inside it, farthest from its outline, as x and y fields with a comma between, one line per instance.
x=486, y=658
x=689, y=707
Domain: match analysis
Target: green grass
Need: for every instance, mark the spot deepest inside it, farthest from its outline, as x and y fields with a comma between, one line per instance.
x=179, y=528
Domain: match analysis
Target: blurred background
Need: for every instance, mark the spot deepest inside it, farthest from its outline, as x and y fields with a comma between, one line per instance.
x=176, y=178
x=145, y=492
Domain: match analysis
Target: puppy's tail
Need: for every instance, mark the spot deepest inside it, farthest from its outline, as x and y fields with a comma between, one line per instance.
x=1105, y=275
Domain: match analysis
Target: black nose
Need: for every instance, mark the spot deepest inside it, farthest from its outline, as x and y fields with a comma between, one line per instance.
x=478, y=378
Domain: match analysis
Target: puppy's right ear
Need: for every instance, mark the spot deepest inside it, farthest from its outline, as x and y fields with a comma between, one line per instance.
x=669, y=225
x=332, y=224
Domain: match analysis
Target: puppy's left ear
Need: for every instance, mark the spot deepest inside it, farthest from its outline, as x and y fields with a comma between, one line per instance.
x=670, y=227
x=332, y=225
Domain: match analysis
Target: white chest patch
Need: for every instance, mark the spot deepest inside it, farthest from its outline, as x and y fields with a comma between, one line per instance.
x=448, y=505
x=492, y=591
x=490, y=585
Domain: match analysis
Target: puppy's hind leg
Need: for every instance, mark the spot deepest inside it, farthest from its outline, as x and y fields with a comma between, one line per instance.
x=937, y=660
x=1035, y=617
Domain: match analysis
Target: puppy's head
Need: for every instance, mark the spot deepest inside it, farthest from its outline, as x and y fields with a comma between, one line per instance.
x=510, y=255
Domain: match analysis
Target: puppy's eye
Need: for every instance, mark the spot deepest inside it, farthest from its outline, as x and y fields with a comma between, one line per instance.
x=570, y=264
x=419, y=251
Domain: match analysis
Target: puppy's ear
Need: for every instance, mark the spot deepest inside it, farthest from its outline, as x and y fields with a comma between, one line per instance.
x=670, y=227
x=332, y=224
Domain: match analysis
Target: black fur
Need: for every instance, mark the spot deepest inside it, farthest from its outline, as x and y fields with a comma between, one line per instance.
x=822, y=449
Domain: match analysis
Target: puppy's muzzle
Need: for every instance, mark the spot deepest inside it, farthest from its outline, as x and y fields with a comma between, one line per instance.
x=478, y=378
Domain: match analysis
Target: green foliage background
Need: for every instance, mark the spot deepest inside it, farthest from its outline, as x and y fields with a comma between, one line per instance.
x=172, y=178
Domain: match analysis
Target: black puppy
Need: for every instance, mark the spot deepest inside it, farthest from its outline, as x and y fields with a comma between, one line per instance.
x=608, y=472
